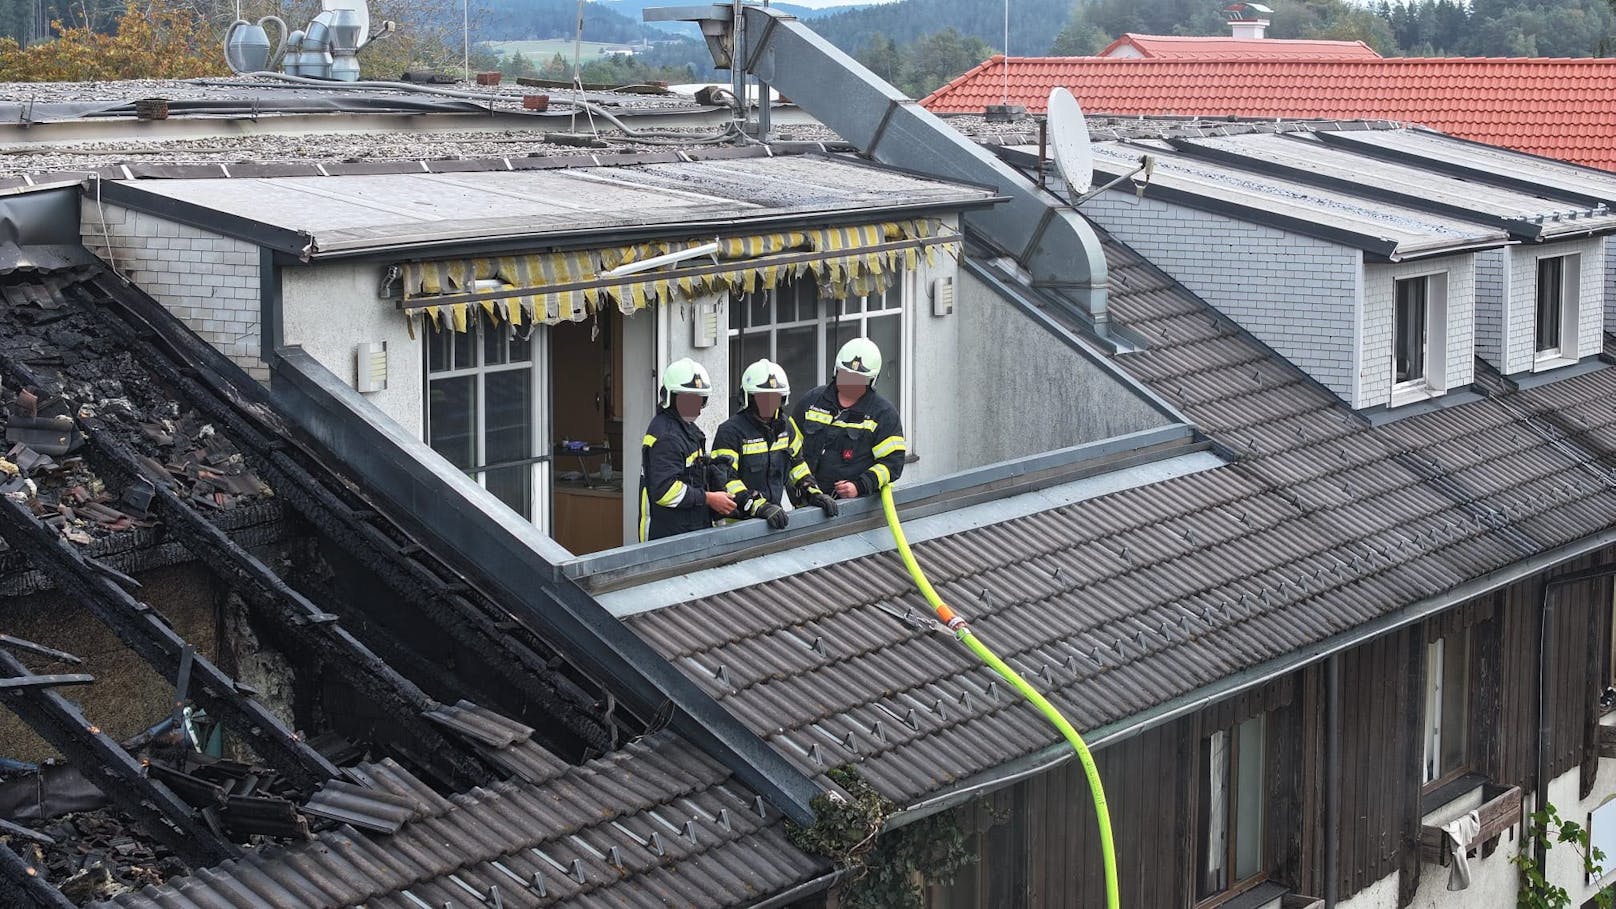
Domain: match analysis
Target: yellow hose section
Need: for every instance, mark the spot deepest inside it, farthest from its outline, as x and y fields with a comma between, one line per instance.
x=963, y=632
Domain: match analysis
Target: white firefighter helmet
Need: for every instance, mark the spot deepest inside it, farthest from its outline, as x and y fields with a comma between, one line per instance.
x=763, y=376
x=684, y=377
x=860, y=356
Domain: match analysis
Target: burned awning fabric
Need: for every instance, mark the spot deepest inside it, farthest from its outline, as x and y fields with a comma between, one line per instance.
x=556, y=287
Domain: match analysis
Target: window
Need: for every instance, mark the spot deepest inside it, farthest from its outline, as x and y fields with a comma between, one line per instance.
x=1550, y=298
x=1232, y=802
x=792, y=326
x=1447, y=706
x=1557, y=293
x=480, y=410
x=1409, y=342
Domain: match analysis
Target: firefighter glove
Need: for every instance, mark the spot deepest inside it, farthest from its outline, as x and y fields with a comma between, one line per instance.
x=825, y=502
x=774, y=514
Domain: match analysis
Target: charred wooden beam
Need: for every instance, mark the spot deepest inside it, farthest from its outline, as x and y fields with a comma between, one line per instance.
x=524, y=665
x=168, y=819
x=312, y=629
x=24, y=886
x=148, y=634
x=46, y=681
x=60, y=656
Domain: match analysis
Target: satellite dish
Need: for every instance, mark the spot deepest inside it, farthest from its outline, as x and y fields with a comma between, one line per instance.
x=1069, y=135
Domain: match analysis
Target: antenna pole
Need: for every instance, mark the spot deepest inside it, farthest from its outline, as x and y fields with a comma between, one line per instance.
x=1006, y=99
x=465, y=36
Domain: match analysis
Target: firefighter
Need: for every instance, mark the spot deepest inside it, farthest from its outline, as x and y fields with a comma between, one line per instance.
x=675, y=497
x=757, y=454
x=852, y=437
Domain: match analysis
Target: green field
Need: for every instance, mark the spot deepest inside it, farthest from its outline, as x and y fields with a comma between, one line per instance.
x=541, y=51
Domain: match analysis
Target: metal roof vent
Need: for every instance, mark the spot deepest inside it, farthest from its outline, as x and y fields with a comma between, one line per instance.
x=1247, y=20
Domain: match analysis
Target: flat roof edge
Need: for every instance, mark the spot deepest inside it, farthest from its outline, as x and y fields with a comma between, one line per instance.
x=631, y=566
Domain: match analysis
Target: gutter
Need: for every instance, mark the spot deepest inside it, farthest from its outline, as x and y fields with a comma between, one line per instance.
x=1055, y=755
x=803, y=890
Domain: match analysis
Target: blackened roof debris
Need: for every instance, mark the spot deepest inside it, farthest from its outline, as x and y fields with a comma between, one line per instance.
x=142, y=447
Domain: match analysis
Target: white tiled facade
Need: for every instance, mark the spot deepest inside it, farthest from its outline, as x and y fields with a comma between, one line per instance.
x=1294, y=293
x=1492, y=267
x=1379, y=297
x=209, y=281
x=1507, y=334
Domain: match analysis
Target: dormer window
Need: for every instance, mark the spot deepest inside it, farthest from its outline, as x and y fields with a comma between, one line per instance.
x=1556, y=330
x=1409, y=335
x=1419, y=339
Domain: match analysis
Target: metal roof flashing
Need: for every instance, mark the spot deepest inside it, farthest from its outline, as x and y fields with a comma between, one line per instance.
x=1124, y=460
x=637, y=200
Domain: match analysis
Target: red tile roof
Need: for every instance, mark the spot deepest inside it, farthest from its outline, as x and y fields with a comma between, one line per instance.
x=1224, y=47
x=1556, y=107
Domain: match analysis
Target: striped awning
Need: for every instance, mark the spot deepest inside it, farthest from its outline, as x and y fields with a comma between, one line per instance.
x=567, y=286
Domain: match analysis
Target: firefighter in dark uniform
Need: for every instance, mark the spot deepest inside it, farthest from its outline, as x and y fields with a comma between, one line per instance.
x=757, y=454
x=675, y=496
x=852, y=437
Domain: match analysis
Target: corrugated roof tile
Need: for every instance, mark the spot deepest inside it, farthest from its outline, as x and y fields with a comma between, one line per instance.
x=1544, y=106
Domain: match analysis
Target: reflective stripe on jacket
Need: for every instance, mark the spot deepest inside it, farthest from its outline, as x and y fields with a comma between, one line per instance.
x=758, y=461
x=673, y=478
x=863, y=444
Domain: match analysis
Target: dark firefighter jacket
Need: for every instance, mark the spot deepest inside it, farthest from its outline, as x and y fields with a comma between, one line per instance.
x=863, y=443
x=673, y=478
x=757, y=461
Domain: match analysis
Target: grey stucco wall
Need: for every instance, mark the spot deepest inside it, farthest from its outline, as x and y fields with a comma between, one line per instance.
x=329, y=309
x=1297, y=294
x=1027, y=392
x=210, y=282
x=1380, y=294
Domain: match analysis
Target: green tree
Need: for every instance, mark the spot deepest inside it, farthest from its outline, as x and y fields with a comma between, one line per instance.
x=1081, y=38
x=516, y=64
x=932, y=61
x=879, y=54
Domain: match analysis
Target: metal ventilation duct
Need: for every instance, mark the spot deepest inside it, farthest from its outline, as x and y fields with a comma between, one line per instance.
x=1052, y=241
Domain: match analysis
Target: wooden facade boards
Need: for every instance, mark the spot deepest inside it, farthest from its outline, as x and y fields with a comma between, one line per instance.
x=1038, y=843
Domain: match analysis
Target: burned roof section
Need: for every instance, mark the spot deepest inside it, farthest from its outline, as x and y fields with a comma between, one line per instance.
x=137, y=434
x=654, y=824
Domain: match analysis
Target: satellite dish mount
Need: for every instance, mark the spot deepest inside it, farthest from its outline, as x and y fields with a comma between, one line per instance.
x=1074, y=157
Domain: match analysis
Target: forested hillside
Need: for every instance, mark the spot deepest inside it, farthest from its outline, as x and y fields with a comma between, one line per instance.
x=919, y=44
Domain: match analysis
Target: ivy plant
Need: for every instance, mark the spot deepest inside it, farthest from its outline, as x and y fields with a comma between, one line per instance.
x=887, y=869
x=1549, y=829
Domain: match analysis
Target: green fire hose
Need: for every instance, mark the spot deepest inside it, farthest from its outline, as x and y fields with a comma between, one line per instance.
x=963, y=632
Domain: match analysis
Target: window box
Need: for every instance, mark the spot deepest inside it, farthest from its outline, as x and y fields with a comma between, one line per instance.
x=1500, y=810
x=1298, y=901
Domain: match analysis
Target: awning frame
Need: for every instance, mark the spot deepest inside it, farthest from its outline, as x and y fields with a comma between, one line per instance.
x=417, y=305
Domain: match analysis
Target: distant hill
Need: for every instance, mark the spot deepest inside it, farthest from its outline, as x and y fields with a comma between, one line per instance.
x=1033, y=23
x=537, y=20
x=633, y=8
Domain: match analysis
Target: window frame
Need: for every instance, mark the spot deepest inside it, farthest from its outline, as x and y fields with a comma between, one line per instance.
x=1437, y=718
x=1234, y=811
x=538, y=356
x=1434, y=358
x=829, y=315
x=1568, y=286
